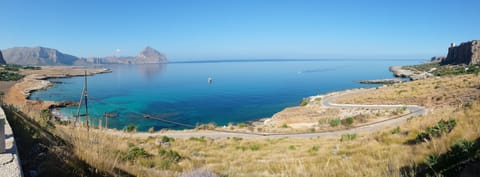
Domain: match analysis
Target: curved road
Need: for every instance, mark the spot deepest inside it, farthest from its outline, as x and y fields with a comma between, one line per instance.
x=370, y=127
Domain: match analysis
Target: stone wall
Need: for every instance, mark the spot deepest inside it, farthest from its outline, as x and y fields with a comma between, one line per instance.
x=9, y=161
x=465, y=53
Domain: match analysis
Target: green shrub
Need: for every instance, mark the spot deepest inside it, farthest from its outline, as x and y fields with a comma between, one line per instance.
x=335, y=122
x=348, y=137
x=395, y=130
x=291, y=147
x=170, y=155
x=135, y=152
x=10, y=76
x=314, y=149
x=254, y=147
x=442, y=127
x=201, y=139
x=453, y=161
x=167, y=139
x=348, y=121
x=242, y=125
x=304, y=102
x=130, y=128
x=284, y=126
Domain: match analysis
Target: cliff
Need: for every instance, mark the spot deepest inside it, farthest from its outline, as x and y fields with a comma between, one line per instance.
x=2, y=61
x=466, y=53
x=38, y=56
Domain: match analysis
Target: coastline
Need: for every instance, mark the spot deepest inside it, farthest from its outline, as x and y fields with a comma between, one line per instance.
x=35, y=80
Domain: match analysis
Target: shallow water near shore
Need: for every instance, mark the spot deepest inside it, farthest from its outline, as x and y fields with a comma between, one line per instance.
x=240, y=90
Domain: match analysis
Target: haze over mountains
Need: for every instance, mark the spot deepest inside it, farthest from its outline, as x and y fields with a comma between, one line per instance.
x=41, y=56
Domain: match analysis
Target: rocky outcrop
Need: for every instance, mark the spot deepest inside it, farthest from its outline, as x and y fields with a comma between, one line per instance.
x=2, y=61
x=437, y=59
x=38, y=56
x=398, y=71
x=150, y=55
x=466, y=53
x=147, y=56
x=381, y=81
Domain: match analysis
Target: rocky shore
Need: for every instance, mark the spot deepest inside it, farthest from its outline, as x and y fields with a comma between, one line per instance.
x=399, y=71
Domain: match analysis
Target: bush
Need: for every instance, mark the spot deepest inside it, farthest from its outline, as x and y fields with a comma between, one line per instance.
x=9, y=76
x=135, y=152
x=242, y=125
x=201, y=139
x=335, y=122
x=169, y=155
x=395, y=130
x=130, y=128
x=442, y=127
x=167, y=139
x=304, y=102
x=453, y=161
x=348, y=137
x=284, y=126
x=348, y=121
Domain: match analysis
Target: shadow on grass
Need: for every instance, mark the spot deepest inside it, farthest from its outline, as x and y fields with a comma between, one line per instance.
x=44, y=154
x=462, y=159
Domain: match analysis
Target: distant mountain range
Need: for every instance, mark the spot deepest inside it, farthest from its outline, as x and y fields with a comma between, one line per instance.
x=41, y=56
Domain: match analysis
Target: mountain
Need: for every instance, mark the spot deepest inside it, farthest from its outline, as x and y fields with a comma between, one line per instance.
x=147, y=56
x=47, y=56
x=39, y=56
x=2, y=61
x=150, y=55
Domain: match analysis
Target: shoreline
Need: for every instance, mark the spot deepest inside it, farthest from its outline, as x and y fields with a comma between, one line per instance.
x=34, y=81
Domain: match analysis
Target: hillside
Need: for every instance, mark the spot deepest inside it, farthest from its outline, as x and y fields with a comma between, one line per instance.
x=38, y=56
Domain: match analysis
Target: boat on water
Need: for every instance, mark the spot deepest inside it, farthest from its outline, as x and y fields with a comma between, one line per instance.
x=210, y=80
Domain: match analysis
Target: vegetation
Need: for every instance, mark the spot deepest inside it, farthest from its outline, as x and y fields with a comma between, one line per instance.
x=347, y=121
x=130, y=128
x=443, y=70
x=334, y=122
x=10, y=76
x=441, y=128
x=304, y=102
x=167, y=139
x=348, y=137
x=135, y=152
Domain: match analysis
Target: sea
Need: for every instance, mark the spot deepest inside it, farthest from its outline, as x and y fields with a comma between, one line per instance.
x=191, y=93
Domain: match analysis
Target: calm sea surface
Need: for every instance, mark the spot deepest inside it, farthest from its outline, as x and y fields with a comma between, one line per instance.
x=240, y=91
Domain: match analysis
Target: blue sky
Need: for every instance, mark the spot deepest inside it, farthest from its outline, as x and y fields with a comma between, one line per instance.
x=242, y=29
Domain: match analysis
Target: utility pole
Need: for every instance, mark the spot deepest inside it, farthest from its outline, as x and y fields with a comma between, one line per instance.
x=85, y=94
x=83, y=98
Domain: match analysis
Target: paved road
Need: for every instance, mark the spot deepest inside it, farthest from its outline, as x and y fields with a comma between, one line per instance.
x=327, y=102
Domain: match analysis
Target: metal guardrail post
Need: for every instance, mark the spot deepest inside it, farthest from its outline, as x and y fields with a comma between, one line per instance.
x=2, y=135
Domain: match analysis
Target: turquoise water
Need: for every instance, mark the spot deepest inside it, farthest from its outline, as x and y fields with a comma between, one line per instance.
x=241, y=90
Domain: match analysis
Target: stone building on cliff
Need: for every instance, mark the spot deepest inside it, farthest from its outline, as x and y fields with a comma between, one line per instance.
x=466, y=53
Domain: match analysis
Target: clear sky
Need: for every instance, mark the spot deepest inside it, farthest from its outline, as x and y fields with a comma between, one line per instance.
x=242, y=29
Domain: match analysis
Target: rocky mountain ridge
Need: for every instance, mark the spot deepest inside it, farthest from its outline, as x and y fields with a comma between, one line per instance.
x=42, y=56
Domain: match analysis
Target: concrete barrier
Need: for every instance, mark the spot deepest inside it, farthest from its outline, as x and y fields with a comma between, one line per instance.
x=9, y=161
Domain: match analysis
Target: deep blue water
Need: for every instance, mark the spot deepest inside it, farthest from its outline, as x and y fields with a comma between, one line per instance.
x=240, y=91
